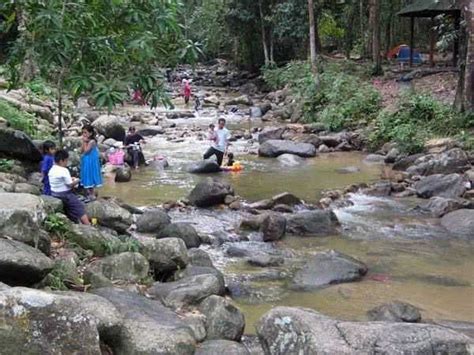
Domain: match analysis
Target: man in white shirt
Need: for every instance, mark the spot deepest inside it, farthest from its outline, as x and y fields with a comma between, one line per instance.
x=61, y=184
x=220, y=144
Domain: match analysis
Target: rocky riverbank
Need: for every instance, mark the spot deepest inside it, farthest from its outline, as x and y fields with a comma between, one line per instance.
x=146, y=280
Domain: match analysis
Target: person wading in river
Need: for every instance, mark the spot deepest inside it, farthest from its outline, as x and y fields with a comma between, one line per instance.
x=220, y=144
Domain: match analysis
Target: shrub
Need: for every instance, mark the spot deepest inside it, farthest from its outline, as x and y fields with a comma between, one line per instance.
x=6, y=165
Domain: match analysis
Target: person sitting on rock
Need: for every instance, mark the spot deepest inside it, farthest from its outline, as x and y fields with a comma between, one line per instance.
x=62, y=185
x=132, y=143
x=220, y=144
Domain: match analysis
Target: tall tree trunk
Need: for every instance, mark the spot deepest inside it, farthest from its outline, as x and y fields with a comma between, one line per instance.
x=312, y=38
x=317, y=38
x=465, y=92
x=272, y=58
x=264, y=34
x=349, y=33
x=376, y=58
x=370, y=30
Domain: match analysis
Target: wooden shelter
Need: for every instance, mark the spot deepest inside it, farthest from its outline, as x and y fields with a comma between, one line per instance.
x=431, y=9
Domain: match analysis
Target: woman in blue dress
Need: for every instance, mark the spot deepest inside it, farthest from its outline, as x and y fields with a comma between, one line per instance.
x=91, y=176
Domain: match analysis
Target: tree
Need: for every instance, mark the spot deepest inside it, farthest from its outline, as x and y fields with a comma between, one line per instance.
x=100, y=48
x=312, y=38
x=375, y=33
x=465, y=91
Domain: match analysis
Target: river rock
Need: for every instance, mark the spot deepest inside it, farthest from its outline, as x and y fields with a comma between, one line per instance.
x=271, y=133
x=395, y=312
x=210, y=192
x=241, y=100
x=448, y=186
x=274, y=148
x=404, y=162
x=130, y=267
x=186, y=291
x=150, y=131
x=27, y=189
x=148, y=326
x=331, y=141
x=223, y=319
x=91, y=238
x=37, y=322
x=184, y=231
x=152, y=221
x=199, y=257
x=348, y=170
x=273, y=227
x=221, y=347
x=21, y=264
x=212, y=101
x=255, y=112
x=460, y=223
x=110, y=127
x=21, y=216
x=286, y=330
x=17, y=144
x=193, y=270
x=265, y=260
x=439, y=206
x=290, y=160
x=123, y=173
x=453, y=161
x=205, y=167
x=317, y=222
x=165, y=255
x=286, y=198
x=52, y=204
x=327, y=268
x=374, y=159
x=109, y=214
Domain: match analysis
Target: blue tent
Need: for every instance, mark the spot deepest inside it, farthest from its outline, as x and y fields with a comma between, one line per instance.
x=402, y=54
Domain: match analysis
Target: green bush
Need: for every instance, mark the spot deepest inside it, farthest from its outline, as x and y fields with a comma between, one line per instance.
x=338, y=100
x=40, y=88
x=17, y=119
x=6, y=165
x=417, y=117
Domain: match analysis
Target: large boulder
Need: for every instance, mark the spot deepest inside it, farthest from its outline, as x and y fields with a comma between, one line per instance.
x=439, y=206
x=90, y=238
x=285, y=198
x=193, y=270
x=271, y=133
x=453, y=161
x=148, y=326
x=37, y=322
x=460, y=223
x=274, y=148
x=317, y=222
x=273, y=227
x=205, y=167
x=199, y=257
x=17, y=144
x=21, y=216
x=22, y=265
x=327, y=268
x=395, y=312
x=241, y=100
x=286, y=330
x=110, y=214
x=184, y=231
x=110, y=127
x=448, y=186
x=186, y=291
x=153, y=221
x=223, y=319
x=221, y=347
x=165, y=255
x=128, y=266
x=210, y=192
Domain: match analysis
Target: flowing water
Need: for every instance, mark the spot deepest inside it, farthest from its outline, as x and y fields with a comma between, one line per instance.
x=410, y=256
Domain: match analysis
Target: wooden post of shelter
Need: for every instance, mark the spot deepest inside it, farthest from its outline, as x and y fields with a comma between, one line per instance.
x=432, y=42
x=412, y=38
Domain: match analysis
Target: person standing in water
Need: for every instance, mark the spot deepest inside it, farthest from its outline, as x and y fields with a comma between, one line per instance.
x=186, y=91
x=220, y=143
x=132, y=143
x=91, y=176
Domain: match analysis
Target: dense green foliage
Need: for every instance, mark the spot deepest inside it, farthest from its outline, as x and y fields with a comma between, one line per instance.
x=417, y=117
x=17, y=119
x=338, y=100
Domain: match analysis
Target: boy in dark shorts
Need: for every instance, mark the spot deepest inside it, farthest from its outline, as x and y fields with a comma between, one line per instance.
x=62, y=184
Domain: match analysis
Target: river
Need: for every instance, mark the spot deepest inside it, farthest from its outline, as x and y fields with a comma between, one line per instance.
x=410, y=256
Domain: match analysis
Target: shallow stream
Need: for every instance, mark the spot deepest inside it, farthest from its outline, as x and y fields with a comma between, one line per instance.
x=409, y=255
